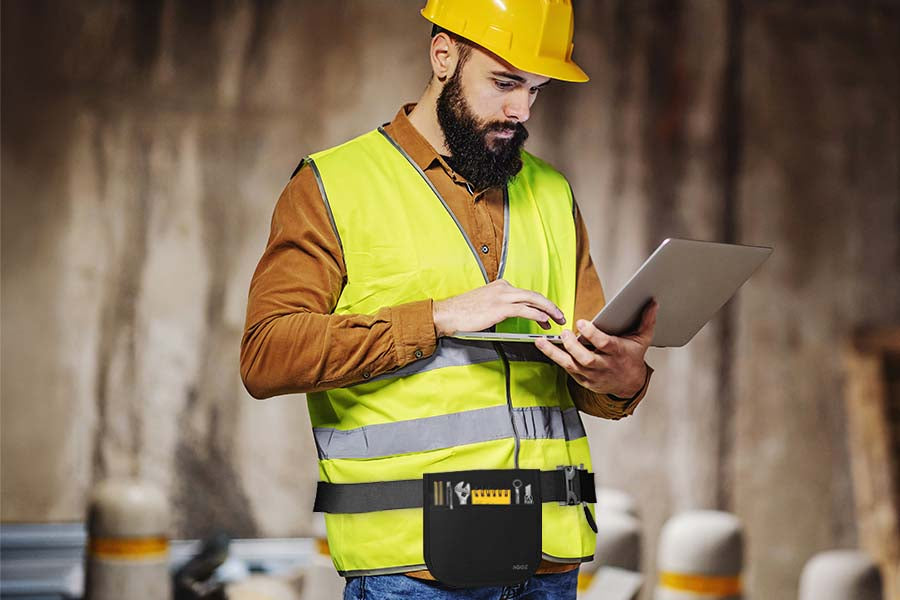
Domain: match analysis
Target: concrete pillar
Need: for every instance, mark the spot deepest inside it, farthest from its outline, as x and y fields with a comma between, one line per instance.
x=128, y=546
x=840, y=575
x=700, y=557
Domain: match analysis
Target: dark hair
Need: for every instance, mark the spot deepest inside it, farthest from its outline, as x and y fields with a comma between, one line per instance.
x=465, y=46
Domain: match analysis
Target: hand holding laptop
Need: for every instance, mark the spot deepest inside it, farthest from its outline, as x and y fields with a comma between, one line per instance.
x=597, y=361
x=690, y=279
x=605, y=363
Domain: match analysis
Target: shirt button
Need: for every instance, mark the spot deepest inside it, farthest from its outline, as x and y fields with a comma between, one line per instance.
x=366, y=374
x=418, y=353
x=485, y=249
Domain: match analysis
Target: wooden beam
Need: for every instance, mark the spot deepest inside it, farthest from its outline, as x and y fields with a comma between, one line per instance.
x=873, y=426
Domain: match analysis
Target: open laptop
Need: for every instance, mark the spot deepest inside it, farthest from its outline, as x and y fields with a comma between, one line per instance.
x=690, y=280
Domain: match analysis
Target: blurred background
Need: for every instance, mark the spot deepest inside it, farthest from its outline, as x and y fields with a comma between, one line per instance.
x=144, y=144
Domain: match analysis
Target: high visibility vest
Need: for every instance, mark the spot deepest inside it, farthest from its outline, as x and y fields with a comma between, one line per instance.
x=471, y=405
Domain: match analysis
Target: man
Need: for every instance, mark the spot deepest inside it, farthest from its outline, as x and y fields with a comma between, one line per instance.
x=382, y=248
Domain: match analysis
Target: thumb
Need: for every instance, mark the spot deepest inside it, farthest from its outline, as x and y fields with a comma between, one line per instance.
x=644, y=334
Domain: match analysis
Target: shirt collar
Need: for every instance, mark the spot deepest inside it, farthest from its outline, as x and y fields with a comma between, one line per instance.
x=420, y=151
x=409, y=138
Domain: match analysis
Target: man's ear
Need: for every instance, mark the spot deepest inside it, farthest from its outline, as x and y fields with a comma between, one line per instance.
x=444, y=56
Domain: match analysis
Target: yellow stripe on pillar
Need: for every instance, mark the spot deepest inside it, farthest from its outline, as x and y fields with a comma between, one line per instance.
x=129, y=548
x=729, y=585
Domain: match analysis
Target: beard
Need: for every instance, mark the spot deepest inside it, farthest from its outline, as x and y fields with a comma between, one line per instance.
x=483, y=163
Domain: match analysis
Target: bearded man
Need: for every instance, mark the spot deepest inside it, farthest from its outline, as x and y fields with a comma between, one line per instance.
x=385, y=246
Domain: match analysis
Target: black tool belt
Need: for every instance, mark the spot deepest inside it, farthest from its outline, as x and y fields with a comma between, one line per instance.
x=565, y=485
x=481, y=527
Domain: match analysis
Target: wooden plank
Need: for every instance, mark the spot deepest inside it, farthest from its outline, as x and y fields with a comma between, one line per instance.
x=873, y=431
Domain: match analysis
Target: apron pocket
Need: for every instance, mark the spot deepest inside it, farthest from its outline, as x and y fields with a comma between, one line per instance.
x=482, y=527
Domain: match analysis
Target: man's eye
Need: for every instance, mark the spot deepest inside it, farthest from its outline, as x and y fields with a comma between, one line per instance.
x=504, y=85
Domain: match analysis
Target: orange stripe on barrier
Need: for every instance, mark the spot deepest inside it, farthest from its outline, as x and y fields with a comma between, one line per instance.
x=129, y=548
x=322, y=547
x=729, y=585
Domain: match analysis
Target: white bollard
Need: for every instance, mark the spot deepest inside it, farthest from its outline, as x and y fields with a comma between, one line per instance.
x=320, y=579
x=611, y=499
x=618, y=541
x=262, y=587
x=128, y=545
x=840, y=575
x=615, y=570
x=614, y=574
x=700, y=557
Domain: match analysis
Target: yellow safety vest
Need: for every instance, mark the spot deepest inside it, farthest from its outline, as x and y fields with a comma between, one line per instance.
x=471, y=405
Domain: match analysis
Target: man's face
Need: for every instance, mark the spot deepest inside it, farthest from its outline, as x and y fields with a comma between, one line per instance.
x=481, y=110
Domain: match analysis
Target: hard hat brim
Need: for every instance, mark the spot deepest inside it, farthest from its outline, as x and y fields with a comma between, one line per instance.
x=554, y=69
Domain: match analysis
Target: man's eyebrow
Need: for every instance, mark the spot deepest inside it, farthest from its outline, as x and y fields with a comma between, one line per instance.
x=515, y=77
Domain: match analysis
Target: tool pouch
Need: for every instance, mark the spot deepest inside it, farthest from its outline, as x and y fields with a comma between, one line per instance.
x=482, y=527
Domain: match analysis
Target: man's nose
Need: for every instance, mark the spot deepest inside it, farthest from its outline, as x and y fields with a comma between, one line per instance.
x=518, y=105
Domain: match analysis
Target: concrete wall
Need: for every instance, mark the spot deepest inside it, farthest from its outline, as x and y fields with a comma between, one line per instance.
x=144, y=145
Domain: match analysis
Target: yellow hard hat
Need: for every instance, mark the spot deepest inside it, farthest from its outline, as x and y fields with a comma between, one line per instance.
x=531, y=35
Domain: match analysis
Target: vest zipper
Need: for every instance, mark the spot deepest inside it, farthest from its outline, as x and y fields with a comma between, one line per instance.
x=512, y=420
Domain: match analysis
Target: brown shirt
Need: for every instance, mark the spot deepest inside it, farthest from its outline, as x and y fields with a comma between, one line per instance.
x=293, y=343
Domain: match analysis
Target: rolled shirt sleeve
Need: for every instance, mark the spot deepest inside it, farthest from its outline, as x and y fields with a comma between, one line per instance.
x=589, y=299
x=292, y=343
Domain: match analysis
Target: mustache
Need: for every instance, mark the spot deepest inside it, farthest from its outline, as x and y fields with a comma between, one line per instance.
x=513, y=126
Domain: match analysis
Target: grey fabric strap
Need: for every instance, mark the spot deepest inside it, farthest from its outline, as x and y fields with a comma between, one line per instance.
x=567, y=487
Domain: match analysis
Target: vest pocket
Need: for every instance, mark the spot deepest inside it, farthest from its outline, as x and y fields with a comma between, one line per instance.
x=482, y=527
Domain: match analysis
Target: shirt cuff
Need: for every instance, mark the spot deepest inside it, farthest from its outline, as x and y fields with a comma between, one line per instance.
x=640, y=393
x=607, y=406
x=412, y=325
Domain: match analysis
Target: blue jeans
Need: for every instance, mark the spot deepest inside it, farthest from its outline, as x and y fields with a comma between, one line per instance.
x=552, y=586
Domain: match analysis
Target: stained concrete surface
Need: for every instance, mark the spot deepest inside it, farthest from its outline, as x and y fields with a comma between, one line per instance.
x=144, y=145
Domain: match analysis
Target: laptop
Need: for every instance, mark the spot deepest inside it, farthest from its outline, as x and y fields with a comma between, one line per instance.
x=690, y=280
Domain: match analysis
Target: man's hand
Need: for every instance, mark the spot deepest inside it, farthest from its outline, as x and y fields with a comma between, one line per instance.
x=615, y=365
x=488, y=305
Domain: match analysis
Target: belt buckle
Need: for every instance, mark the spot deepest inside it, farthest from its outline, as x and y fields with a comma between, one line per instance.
x=573, y=484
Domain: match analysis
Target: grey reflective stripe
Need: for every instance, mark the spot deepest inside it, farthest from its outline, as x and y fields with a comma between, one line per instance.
x=439, y=197
x=574, y=205
x=572, y=422
x=414, y=435
x=386, y=571
x=546, y=422
x=503, y=253
x=321, y=185
x=556, y=559
x=446, y=431
x=449, y=352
